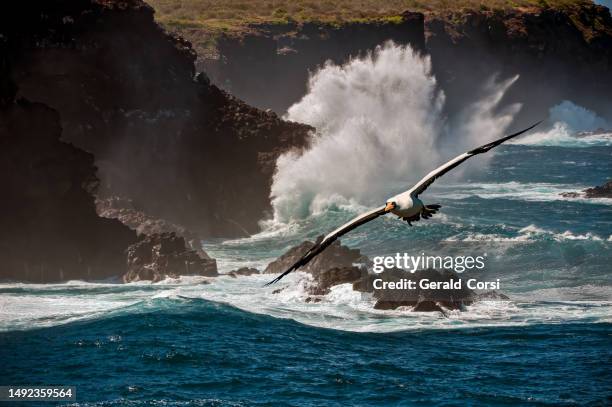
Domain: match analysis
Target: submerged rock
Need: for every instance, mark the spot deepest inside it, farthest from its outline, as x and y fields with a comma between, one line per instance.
x=164, y=255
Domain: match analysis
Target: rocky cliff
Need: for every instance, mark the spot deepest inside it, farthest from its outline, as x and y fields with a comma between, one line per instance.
x=559, y=52
x=50, y=229
x=178, y=147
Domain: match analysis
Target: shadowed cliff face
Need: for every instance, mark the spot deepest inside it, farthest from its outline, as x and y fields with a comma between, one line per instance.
x=50, y=229
x=270, y=69
x=179, y=148
x=558, y=54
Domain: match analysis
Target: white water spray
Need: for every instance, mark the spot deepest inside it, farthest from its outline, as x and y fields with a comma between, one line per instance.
x=567, y=119
x=379, y=123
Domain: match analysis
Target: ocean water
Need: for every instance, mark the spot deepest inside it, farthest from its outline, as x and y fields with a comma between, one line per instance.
x=196, y=341
x=230, y=341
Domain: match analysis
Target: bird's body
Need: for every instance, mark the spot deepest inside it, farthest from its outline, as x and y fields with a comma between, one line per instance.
x=405, y=205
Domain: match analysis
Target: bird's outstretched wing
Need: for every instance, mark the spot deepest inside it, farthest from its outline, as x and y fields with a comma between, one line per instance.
x=443, y=169
x=319, y=246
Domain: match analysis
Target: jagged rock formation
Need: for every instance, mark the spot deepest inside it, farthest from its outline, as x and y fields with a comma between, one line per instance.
x=600, y=191
x=335, y=256
x=127, y=213
x=180, y=148
x=50, y=230
x=340, y=265
x=164, y=255
x=559, y=53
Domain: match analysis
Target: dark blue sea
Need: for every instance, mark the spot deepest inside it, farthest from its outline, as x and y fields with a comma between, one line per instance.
x=196, y=352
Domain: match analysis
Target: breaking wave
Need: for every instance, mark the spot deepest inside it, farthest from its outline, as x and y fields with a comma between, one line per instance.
x=571, y=126
x=379, y=124
x=36, y=306
x=516, y=191
x=529, y=233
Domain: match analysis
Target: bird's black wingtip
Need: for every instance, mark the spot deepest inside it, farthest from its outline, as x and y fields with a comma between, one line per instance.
x=278, y=278
x=489, y=146
x=269, y=283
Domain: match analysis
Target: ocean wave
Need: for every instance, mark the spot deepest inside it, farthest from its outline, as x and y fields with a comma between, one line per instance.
x=342, y=308
x=572, y=126
x=524, y=191
x=560, y=135
x=528, y=233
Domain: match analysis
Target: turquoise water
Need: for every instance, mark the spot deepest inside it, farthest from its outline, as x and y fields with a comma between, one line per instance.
x=225, y=341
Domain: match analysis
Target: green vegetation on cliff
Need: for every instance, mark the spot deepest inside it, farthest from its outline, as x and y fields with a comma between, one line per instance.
x=236, y=15
x=202, y=21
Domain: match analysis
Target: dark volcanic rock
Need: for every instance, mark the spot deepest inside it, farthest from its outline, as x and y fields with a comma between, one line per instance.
x=545, y=46
x=243, y=271
x=327, y=278
x=181, y=149
x=601, y=191
x=281, y=56
x=165, y=255
x=335, y=256
x=420, y=299
x=126, y=212
x=336, y=266
x=571, y=45
x=50, y=230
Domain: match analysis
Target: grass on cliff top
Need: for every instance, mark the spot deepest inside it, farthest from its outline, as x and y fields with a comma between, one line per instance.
x=202, y=21
x=236, y=15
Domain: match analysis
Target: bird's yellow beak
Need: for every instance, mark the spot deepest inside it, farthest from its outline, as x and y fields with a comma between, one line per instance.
x=390, y=206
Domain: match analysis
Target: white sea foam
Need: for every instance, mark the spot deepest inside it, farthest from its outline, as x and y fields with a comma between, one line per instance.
x=526, y=234
x=379, y=124
x=567, y=119
x=342, y=308
x=524, y=191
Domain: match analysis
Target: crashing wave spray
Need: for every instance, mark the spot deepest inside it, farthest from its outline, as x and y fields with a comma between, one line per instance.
x=378, y=120
x=567, y=119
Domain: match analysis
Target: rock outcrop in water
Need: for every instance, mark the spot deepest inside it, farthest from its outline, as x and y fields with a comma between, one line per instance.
x=600, y=191
x=340, y=265
x=335, y=256
x=180, y=148
x=164, y=255
x=243, y=271
x=419, y=299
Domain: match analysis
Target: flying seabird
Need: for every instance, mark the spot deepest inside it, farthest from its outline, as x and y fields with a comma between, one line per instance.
x=406, y=205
